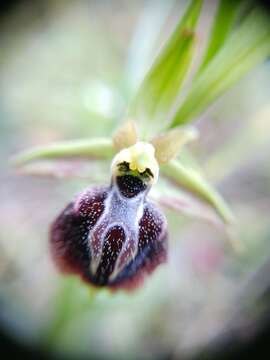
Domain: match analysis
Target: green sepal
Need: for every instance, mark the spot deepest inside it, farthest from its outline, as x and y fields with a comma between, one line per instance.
x=97, y=148
x=194, y=182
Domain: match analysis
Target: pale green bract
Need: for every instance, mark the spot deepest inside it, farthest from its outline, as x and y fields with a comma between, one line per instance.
x=162, y=83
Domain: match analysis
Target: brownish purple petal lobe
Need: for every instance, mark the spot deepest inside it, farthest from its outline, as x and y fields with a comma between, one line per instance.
x=70, y=231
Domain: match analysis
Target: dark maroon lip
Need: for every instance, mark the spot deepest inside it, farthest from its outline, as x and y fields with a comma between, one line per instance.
x=91, y=222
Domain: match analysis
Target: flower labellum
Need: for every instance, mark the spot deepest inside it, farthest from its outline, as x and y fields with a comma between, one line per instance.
x=113, y=236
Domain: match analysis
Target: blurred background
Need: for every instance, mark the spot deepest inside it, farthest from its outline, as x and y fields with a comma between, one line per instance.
x=68, y=70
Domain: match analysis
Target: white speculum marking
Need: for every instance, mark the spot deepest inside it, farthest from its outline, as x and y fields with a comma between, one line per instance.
x=124, y=212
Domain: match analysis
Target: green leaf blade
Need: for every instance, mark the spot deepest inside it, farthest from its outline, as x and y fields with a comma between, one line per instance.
x=221, y=28
x=248, y=46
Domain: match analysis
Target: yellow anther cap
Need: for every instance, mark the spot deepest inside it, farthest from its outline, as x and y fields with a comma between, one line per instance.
x=140, y=156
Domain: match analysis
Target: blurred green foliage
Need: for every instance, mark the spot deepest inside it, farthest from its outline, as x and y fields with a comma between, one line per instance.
x=63, y=76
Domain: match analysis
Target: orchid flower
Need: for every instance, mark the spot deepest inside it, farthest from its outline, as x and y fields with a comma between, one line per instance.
x=115, y=234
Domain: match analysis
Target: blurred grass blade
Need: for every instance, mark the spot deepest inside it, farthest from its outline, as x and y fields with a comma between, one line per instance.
x=221, y=28
x=248, y=46
x=164, y=79
x=194, y=182
x=154, y=15
x=100, y=148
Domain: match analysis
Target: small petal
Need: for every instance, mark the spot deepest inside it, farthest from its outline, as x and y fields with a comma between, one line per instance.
x=125, y=136
x=169, y=144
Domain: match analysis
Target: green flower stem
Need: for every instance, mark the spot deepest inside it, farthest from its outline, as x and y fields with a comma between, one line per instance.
x=100, y=148
x=194, y=182
x=72, y=299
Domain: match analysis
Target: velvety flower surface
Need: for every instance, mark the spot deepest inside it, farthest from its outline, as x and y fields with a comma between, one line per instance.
x=111, y=236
